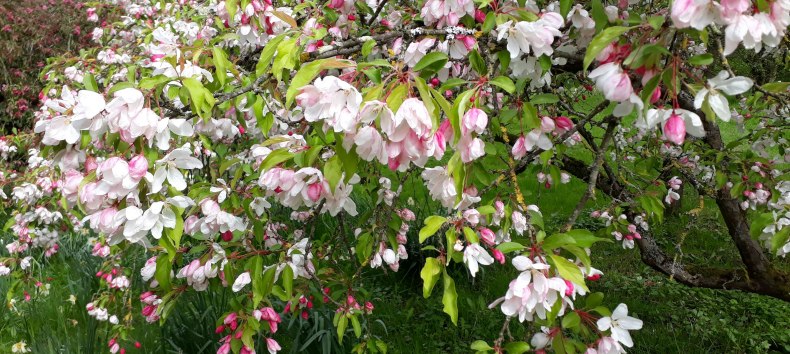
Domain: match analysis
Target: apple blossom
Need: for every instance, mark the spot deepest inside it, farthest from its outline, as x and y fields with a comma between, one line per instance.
x=619, y=324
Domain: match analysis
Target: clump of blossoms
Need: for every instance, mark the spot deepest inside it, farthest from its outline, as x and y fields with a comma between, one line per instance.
x=279, y=148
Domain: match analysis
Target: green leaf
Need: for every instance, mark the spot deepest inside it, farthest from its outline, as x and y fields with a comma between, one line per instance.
x=341, y=327
x=397, y=96
x=758, y=223
x=776, y=87
x=568, y=270
x=364, y=247
x=507, y=247
x=288, y=279
x=367, y=47
x=151, y=82
x=432, y=61
x=571, y=320
x=231, y=6
x=275, y=157
x=477, y=62
x=486, y=210
x=504, y=83
x=267, y=281
x=430, y=275
x=202, y=99
x=701, y=59
x=489, y=23
x=480, y=345
x=601, y=41
x=267, y=54
x=162, y=275
x=333, y=171
x=585, y=238
x=221, y=64
x=119, y=86
x=427, y=99
x=780, y=239
x=450, y=298
x=432, y=224
x=593, y=300
x=176, y=232
x=599, y=15
x=565, y=7
x=544, y=98
x=516, y=347
x=556, y=241
x=470, y=235
x=90, y=82
x=357, y=327
x=656, y=21
x=309, y=71
x=458, y=110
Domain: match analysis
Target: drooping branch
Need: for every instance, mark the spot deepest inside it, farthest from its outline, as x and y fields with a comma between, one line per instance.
x=750, y=251
x=593, y=177
x=770, y=283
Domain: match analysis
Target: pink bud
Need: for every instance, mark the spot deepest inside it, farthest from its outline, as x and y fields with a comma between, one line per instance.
x=224, y=349
x=487, y=236
x=138, y=166
x=675, y=129
x=314, y=191
x=480, y=16
x=272, y=345
x=227, y=236
x=563, y=124
x=468, y=41
x=499, y=256
x=230, y=318
x=568, y=288
x=656, y=95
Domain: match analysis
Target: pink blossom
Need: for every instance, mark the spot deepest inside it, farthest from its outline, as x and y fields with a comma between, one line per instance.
x=138, y=167
x=498, y=256
x=562, y=124
x=272, y=346
x=675, y=129
x=475, y=120
x=487, y=236
x=613, y=82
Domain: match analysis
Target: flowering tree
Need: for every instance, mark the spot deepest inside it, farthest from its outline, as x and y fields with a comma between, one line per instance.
x=280, y=149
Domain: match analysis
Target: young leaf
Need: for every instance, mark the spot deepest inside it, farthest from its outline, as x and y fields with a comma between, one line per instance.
x=701, y=59
x=450, y=298
x=430, y=275
x=568, y=270
x=504, y=83
x=432, y=224
x=601, y=41
x=432, y=61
